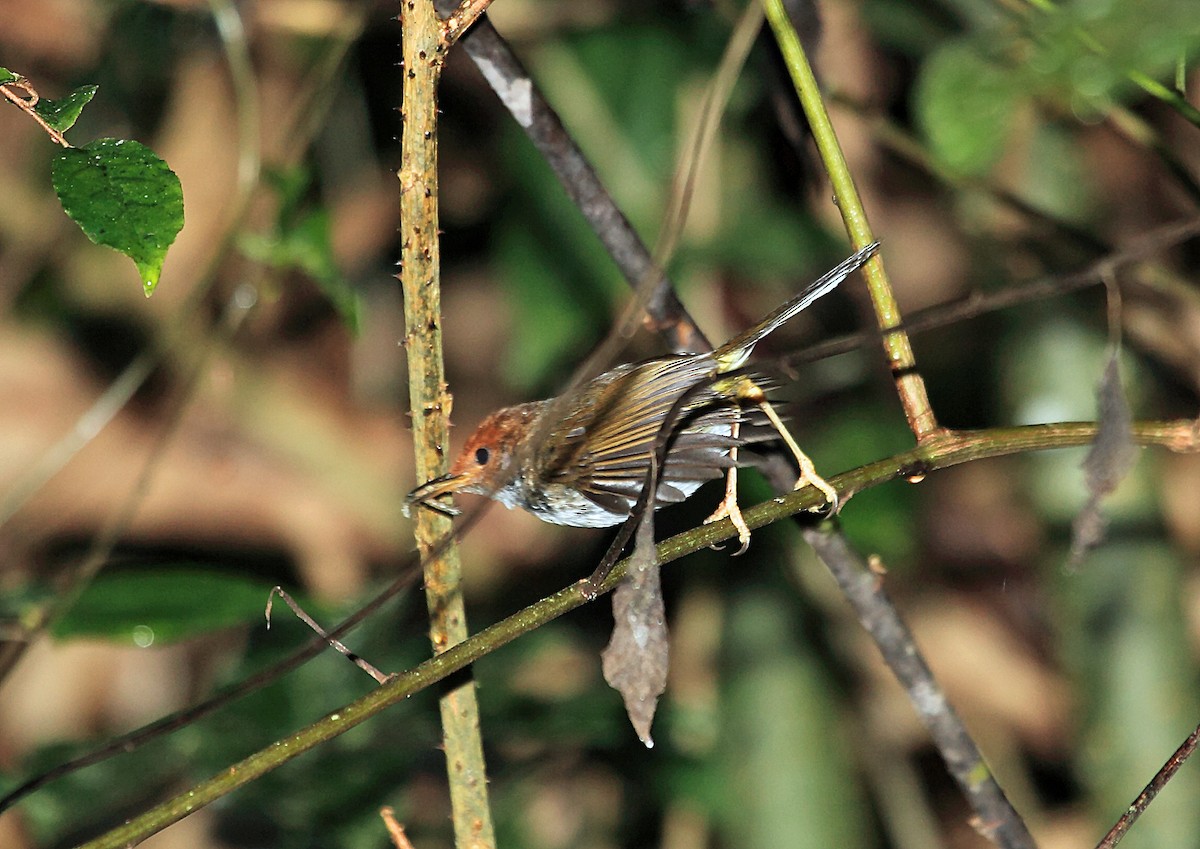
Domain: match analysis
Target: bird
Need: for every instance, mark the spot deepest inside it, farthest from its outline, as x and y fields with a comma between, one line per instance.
x=582, y=459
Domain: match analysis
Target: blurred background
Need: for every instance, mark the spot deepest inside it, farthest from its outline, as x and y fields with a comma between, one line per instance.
x=995, y=143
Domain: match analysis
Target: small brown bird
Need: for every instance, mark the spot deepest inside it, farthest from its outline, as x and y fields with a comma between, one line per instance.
x=590, y=463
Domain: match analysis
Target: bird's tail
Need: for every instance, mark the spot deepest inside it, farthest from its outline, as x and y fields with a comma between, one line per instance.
x=734, y=353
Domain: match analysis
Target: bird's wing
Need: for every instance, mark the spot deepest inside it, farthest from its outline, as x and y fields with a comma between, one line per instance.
x=610, y=432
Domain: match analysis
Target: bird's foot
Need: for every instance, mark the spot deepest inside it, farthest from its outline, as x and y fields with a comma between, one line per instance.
x=728, y=508
x=808, y=475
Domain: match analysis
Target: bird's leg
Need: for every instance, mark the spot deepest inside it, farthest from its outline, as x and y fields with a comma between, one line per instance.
x=729, y=504
x=808, y=472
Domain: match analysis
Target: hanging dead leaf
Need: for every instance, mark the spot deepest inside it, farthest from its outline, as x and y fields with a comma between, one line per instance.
x=635, y=662
x=1108, y=462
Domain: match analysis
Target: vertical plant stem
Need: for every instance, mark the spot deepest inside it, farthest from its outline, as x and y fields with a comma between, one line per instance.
x=909, y=384
x=429, y=399
x=996, y=818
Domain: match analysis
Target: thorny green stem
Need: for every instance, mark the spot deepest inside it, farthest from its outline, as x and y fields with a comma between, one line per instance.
x=425, y=45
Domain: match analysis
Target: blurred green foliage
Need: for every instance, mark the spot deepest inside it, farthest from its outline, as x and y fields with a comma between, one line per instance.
x=301, y=242
x=162, y=605
x=1124, y=640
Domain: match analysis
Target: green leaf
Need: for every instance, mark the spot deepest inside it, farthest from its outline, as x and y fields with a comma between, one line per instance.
x=62, y=114
x=124, y=197
x=7, y=76
x=162, y=605
x=964, y=104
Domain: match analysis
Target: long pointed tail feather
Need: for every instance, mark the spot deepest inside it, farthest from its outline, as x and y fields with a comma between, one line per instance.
x=734, y=353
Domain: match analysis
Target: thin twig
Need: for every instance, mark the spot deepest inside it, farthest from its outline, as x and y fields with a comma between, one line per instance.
x=977, y=304
x=1139, y=805
x=232, y=31
x=103, y=410
x=333, y=642
x=394, y=829
x=461, y=19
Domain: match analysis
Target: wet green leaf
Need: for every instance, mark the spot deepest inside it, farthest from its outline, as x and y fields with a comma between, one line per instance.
x=7, y=76
x=123, y=196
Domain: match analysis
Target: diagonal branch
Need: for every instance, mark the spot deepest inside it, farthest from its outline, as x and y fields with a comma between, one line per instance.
x=1139, y=805
x=519, y=93
x=939, y=453
x=995, y=816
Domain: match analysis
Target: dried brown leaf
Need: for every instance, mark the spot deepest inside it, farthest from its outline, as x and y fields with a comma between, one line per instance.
x=636, y=659
x=1108, y=462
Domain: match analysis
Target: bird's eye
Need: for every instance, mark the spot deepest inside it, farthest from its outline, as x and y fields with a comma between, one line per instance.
x=482, y=455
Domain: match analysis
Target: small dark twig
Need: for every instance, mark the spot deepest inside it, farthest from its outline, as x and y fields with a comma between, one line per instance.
x=361, y=663
x=1147, y=796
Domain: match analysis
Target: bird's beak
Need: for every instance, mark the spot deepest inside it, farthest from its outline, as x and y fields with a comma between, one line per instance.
x=427, y=492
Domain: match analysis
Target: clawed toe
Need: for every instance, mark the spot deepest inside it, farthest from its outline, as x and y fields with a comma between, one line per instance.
x=833, y=501
x=729, y=509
